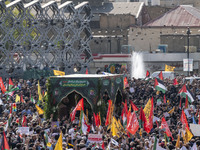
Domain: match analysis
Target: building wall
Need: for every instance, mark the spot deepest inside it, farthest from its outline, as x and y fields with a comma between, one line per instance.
x=116, y=21
x=107, y=41
x=179, y=43
x=173, y=3
x=147, y=39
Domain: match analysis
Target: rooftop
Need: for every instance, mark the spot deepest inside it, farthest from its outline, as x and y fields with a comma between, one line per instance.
x=181, y=16
x=86, y=76
x=133, y=8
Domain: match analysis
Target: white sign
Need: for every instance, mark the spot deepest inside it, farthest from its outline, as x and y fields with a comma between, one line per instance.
x=114, y=142
x=155, y=119
x=23, y=130
x=95, y=138
x=186, y=63
x=195, y=128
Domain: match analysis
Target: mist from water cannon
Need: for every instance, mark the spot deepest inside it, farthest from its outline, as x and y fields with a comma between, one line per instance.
x=137, y=65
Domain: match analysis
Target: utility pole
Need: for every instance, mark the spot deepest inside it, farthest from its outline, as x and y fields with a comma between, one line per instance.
x=188, y=48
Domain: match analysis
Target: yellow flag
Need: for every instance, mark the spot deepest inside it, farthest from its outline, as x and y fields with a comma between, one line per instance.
x=58, y=73
x=140, y=132
x=157, y=92
x=147, y=109
x=171, y=111
x=120, y=127
x=45, y=94
x=48, y=144
x=70, y=145
x=129, y=108
x=111, y=112
x=114, y=128
x=178, y=141
x=17, y=99
x=169, y=68
x=39, y=91
x=188, y=136
x=59, y=143
x=184, y=139
x=39, y=110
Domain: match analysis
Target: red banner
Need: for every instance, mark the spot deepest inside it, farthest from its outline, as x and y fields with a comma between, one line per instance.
x=133, y=124
x=184, y=120
x=79, y=106
x=165, y=126
x=3, y=89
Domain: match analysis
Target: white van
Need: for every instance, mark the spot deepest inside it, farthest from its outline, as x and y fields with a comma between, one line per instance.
x=166, y=74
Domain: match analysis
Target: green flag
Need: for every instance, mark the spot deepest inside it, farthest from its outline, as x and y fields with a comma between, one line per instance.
x=155, y=143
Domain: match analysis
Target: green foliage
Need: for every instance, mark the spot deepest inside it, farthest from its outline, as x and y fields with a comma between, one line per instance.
x=101, y=105
x=49, y=108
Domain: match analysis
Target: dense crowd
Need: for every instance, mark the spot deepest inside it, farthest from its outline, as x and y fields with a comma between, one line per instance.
x=44, y=133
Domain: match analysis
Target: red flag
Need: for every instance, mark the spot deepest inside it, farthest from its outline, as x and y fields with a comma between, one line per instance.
x=3, y=89
x=156, y=82
x=175, y=81
x=108, y=113
x=157, y=124
x=147, y=74
x=149, y=124
x=99, y=118
x=11, y=108
x=86, y=72
x=21, y=99
x=133, y=106
x=133, y=124
x=142, y=119
x=180, y=104
x=24, y=121
x=103, y=146
x=199, y=118
x=4, y=143
x=164, y=99
x=79, y=106
x=10, y=83
x=165, y=126
x=128, y=134
x=184, y=120
x=125, y=82
x=183, y=89
x=161, y=75
x=128, y=116
x=17, y=120
x=126, y=107
x=96, y=119
x=186, y=102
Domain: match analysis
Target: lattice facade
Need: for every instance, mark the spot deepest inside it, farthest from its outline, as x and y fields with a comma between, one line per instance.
x=44, y=36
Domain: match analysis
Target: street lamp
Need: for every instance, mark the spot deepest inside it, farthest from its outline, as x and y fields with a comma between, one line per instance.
x=188, y=47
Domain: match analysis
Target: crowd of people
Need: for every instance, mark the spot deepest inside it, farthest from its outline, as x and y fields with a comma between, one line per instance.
x=27, y=129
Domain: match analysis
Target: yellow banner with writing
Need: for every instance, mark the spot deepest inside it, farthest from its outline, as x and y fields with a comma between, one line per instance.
x=58, y=73
x=169, y=68
x=147, y=109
